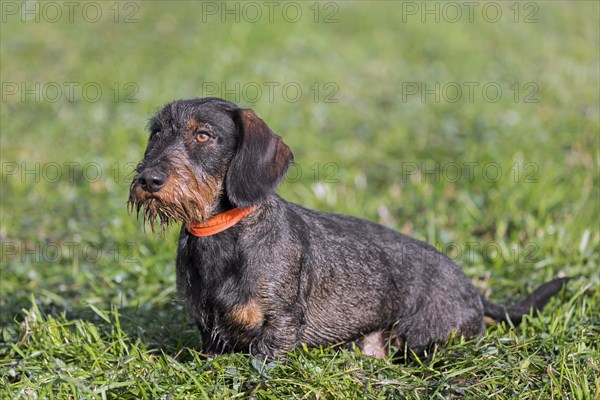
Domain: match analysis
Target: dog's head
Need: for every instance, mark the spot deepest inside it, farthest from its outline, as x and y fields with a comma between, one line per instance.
x=203, y=153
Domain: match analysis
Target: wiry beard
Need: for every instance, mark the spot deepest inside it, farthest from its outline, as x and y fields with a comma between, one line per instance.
x=182, y=199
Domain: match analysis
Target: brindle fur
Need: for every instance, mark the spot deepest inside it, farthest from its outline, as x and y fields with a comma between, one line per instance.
x=285, y=274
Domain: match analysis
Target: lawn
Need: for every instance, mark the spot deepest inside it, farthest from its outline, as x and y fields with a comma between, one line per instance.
x=472, y=125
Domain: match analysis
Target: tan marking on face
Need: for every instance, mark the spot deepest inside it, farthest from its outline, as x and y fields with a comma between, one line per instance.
x=249, y=314
x=193, y=125
x=185, y=196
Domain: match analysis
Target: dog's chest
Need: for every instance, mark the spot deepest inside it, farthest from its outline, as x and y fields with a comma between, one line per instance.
x=218, y=289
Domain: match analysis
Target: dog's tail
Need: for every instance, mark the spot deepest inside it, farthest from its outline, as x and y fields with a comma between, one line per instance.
x=535, y=301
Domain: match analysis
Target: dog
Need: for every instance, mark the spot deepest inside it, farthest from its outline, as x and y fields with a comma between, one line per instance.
x=263, y=275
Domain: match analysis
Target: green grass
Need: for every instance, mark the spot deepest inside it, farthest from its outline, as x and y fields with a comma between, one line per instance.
x=88, y=300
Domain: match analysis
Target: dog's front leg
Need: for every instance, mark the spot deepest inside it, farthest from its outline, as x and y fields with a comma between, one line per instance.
x=277, y=336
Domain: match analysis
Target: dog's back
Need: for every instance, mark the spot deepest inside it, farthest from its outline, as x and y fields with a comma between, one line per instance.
x=360, y=277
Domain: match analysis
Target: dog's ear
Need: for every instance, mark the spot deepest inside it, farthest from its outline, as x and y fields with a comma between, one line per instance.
x=260, y=162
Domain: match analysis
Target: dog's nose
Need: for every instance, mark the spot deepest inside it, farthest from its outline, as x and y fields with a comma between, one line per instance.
x=151, y=180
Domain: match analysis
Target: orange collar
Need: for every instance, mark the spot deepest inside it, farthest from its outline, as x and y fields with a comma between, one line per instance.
x=219, y=222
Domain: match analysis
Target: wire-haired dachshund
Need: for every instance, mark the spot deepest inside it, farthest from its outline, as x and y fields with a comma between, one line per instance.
x=262, y=275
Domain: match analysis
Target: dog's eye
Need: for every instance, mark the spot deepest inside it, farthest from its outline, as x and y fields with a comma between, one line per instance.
x=202, y=136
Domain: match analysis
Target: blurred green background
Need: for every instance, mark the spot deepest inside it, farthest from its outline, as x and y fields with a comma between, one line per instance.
x=474, y=127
